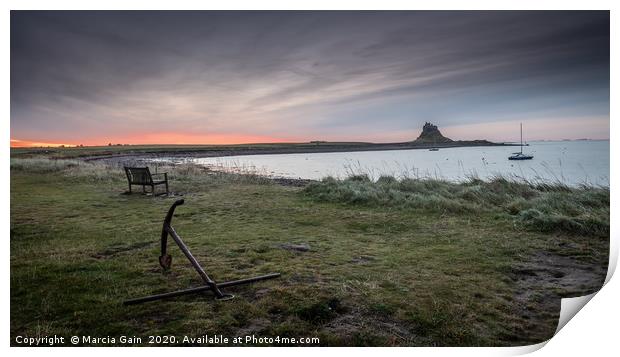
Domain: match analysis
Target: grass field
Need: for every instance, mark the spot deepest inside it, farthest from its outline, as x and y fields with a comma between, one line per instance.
x=424, y=263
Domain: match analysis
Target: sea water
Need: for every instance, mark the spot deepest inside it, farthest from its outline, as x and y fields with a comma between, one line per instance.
x=567, y=162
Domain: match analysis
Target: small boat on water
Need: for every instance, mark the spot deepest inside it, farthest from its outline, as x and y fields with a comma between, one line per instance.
x=520, y=155
x=433, y=149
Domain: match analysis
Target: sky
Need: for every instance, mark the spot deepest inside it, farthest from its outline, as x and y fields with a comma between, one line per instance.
x=214, y=77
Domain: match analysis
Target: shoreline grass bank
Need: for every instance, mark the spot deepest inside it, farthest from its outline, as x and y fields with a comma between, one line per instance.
x=538, y=206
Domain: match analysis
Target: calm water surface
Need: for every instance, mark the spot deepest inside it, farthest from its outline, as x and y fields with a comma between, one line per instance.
x=569, y=162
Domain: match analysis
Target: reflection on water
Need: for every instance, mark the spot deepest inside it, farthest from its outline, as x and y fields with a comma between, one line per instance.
x=569, y=162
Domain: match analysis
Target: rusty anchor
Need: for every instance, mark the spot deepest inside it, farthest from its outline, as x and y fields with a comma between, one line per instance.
x=165, y=260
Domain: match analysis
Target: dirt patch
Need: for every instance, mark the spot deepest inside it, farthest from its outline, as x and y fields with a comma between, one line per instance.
x=565, y=276
x=541, y=283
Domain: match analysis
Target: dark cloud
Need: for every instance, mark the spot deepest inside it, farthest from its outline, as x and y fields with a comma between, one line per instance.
x=293, y=74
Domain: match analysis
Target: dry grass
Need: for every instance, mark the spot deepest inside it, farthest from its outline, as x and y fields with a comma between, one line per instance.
x=546, y=208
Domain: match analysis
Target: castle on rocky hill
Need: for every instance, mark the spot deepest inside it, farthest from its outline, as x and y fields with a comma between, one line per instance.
x=431, y=134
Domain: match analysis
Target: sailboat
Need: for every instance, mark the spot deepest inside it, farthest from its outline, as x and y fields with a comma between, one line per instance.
x=520, y=155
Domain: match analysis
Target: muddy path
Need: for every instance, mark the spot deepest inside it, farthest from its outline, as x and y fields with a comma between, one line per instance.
x=543, y=279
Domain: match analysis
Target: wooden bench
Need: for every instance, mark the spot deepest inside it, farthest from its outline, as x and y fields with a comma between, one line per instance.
x=142, y=176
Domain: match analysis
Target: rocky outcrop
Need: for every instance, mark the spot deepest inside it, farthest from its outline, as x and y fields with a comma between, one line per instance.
x=431, y=134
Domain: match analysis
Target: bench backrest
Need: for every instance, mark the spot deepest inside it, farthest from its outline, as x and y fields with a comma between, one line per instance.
x=138, y=175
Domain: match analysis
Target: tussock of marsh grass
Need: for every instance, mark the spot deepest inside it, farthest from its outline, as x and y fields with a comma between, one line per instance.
x=543, y=207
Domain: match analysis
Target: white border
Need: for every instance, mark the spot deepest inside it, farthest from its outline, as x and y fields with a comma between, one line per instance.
x=591, y=331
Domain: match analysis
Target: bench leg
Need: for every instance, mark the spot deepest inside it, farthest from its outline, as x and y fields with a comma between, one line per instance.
x=167, y=187
x=143, y=189
x=129, y=188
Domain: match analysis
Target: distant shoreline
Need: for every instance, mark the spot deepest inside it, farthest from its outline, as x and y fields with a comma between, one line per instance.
x=272, y=149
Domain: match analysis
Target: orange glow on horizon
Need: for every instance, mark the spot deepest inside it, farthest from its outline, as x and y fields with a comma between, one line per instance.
x=15, y=143
x=159, y=139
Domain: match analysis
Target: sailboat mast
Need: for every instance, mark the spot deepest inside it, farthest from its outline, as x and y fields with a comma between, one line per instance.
x=521, y=137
